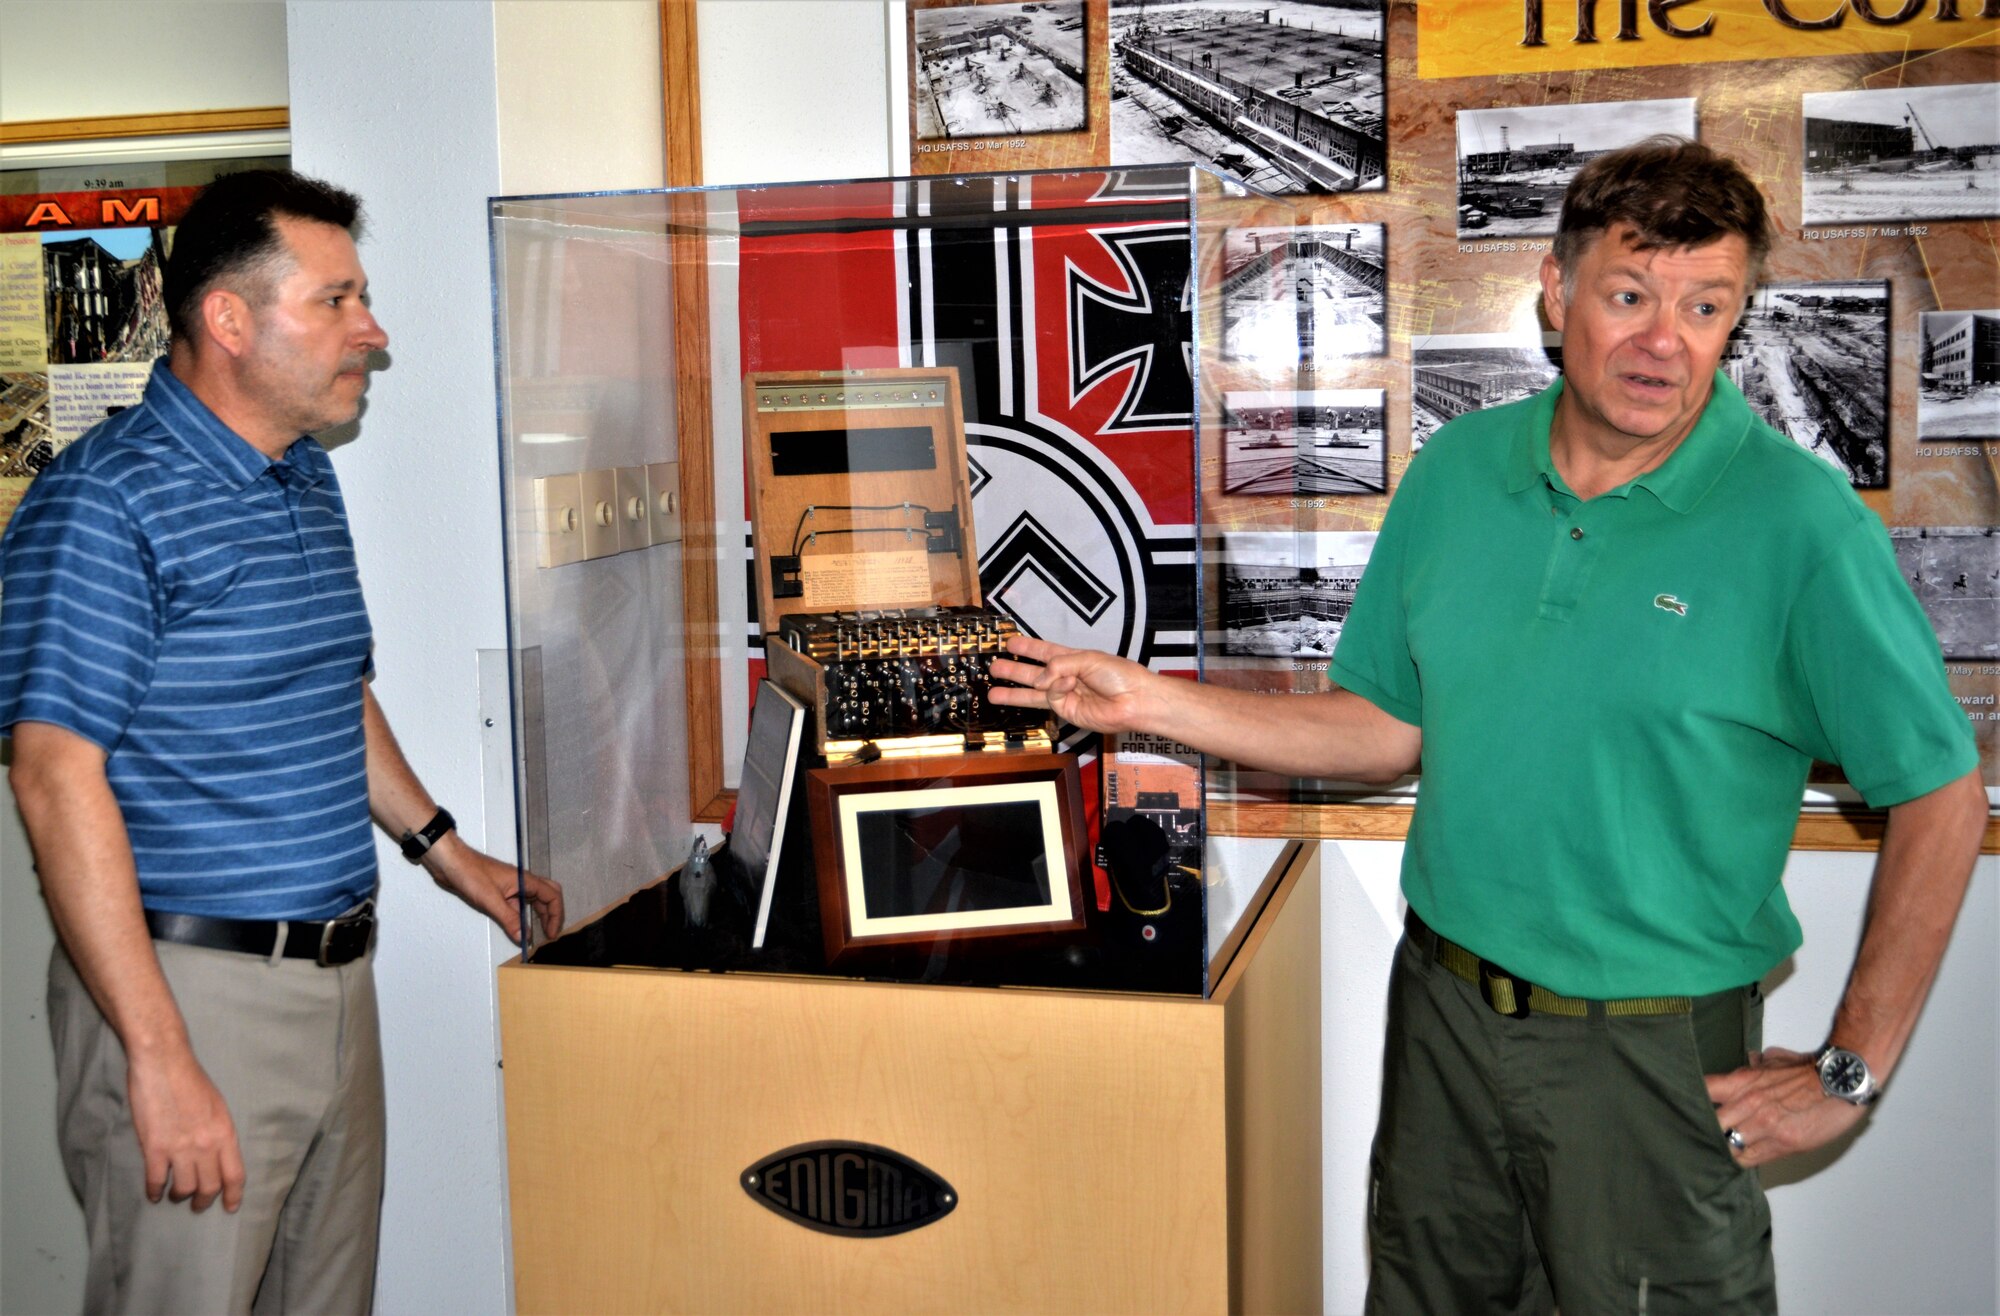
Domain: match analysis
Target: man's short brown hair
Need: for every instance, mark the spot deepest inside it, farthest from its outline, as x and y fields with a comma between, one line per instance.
x=1672, y=191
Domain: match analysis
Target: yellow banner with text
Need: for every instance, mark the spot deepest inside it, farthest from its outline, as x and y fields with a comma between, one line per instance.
x=1481, y=38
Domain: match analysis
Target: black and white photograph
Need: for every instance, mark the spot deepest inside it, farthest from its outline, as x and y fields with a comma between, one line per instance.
x=1955, y=573
x=1328, y=441
x=1813, y=360
x=1287, y=95
x=1451, y=374
x=1958, y=376
x=1286, y=595
x=1303, y=294
x=101, y=291
x=1902, y=153
x=999, y=70
x=1515, y=162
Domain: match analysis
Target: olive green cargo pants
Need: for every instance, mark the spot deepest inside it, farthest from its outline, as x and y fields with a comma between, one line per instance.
x=1524, y=1164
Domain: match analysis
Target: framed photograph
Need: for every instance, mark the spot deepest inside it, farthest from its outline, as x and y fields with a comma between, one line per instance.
x=1958, y=377
x=930, y=852
x=1287, y=95
x=1901, y=153
x=1955, y=573
x=1310, y=294
x=1514, y=163
x=1327, y=441
x=999, y=70
x=1813, y=360
x=1451, y=374
x=1287, y=595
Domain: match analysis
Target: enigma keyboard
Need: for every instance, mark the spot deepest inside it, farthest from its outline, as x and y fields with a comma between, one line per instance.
x=909, y=672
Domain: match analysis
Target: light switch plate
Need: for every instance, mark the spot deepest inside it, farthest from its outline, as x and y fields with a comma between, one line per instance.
x=663, y=498
x=559, y=538
x=635, y=519
x=600, y=513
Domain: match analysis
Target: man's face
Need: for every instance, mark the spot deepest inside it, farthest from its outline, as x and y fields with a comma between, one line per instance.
x=307, y=363
x=1642, y=333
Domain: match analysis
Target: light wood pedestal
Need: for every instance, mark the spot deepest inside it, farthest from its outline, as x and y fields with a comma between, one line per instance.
x=1111, y=1153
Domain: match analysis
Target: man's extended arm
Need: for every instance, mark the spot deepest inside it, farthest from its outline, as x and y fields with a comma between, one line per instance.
x=1926, y=859
x=84, y=858
x=401, y=805
x=1337, y=735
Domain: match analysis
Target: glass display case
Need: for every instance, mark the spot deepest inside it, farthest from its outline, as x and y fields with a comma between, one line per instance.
x=784, y=469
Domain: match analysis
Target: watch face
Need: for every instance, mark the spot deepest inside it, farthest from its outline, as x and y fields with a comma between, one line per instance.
x=1843, y=1072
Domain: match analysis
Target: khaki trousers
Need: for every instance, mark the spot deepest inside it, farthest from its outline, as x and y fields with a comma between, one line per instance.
x=295, y=1050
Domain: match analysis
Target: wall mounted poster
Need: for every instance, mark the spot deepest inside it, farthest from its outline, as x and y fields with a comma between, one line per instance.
x=1876, y=136
x=82, y=318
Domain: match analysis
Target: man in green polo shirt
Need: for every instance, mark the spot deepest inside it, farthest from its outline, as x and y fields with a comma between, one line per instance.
x=1613, y=624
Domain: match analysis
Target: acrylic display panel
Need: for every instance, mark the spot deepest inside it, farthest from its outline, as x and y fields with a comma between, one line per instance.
x=1068, y=312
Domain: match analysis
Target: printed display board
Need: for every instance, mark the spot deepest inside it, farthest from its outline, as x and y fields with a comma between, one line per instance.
x=1419, y=178
x=82, y=318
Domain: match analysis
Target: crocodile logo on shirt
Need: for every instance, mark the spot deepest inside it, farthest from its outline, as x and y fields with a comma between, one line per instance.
x=1668, y=603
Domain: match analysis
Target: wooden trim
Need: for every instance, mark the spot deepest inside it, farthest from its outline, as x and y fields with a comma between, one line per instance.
x=1844, y=829
x=680, y=80
x=173, y=124
x=701, y=549
x=694, y=414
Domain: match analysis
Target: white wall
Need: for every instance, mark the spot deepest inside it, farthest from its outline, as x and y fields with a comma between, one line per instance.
x=63, y=60
x=131, y=57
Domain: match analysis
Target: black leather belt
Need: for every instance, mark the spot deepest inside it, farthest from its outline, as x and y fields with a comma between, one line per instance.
x=336, y=941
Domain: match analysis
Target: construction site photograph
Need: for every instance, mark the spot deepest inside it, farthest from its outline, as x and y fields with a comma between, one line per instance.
x=1515, y=162
x=1958, y=376
x=1287, y=95
x=1287, y=595
x=1901, y=153
x=1813, y=361
x=1955, y=573
x=1000, y=70
x=1328, y=441
x=1311, y=294
x=27, y=444
x=1451, y=374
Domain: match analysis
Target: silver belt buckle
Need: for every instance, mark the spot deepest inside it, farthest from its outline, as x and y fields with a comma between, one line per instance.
x=364, y=914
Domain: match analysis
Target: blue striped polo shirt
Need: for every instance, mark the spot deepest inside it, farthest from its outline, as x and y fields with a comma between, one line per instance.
x=176, y=597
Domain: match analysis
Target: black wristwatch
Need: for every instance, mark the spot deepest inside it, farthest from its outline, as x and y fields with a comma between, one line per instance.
x=1845, y=1076
x=418, y=844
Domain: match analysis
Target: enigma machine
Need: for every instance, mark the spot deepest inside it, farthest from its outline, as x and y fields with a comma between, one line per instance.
x=937, y=815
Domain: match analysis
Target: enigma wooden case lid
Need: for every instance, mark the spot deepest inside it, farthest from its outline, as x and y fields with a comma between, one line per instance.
x=858, y=491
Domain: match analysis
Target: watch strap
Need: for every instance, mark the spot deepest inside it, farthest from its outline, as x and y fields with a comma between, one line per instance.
x=417, y=844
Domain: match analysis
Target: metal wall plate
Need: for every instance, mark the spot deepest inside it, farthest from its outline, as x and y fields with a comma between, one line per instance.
x=600, y=513
x=663, y=497
x=635, y=517
x=559, y=538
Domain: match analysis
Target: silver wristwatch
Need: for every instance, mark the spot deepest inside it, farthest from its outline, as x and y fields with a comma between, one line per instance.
x=1844, y=1076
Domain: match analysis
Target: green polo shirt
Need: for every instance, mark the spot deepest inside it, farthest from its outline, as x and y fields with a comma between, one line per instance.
x=1620, y=697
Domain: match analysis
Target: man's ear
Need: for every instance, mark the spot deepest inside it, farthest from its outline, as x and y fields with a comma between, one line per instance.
x=1552, y=291
x=226, y=320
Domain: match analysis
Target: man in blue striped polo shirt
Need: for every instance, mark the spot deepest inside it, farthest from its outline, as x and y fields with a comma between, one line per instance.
x=184, y=656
